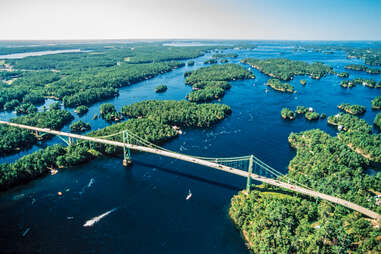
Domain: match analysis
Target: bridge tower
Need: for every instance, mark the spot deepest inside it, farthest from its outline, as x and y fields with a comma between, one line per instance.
x=250, y=171
x=126, y=151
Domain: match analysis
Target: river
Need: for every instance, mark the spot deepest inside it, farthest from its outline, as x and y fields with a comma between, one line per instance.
x=152, y=214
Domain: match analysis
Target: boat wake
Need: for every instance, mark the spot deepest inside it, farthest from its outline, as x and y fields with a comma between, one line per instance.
x=96, y=219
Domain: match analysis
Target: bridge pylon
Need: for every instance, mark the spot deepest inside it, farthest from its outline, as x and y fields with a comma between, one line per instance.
x=126, y=151
x=250, y=171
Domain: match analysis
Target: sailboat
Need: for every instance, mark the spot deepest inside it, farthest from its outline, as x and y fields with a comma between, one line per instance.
x=189, y=195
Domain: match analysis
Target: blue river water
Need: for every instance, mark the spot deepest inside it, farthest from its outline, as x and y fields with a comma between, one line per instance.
x=152, y=214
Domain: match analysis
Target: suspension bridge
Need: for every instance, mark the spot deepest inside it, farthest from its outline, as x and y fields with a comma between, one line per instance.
x=249, y=166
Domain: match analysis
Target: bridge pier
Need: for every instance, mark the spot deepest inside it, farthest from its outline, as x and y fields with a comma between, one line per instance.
x=126, y=151
x=127, y=162
x=250, y=171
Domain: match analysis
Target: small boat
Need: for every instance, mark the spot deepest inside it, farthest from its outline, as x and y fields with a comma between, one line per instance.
x=189, y=195
x=267, y=90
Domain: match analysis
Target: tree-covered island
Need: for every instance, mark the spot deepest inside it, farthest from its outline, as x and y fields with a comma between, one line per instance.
x=278, y=86
x=353, y=109
x=210, y=83
x=284, y=69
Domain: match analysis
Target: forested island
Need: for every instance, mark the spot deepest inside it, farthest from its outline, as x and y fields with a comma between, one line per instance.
x=161, y=89
x=376, y=103
x=210, y=61
x=359, y=67
x=287, y=113
x=278, y=86
x=108, y=112
x=210, y=83
x=81, y=110
x=352, y=109
x=285, y=69
x=365, y=82
x=343, y=74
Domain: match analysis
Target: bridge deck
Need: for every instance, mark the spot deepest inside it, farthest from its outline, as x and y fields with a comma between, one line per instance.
x=217, y=166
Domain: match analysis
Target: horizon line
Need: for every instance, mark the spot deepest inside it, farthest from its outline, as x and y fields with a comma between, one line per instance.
x=190, y=39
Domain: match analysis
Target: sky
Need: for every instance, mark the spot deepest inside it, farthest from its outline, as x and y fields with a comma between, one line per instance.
x=190, y=19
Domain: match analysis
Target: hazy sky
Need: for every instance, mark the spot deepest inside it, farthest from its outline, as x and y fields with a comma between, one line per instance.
x=205, y=19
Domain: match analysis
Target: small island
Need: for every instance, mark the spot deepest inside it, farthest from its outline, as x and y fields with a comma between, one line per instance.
x=79, y=126
x=278, y=86
x=108, y=112
x=343, y=74
x=81, y=110
x=376, y=103
x=286, y=113
x=303, y=82
x=301, y=110
x=224, y=60
x=210, y=61
x=161, y=89
x=311, y=115
x=352, y=109
x=190, y=63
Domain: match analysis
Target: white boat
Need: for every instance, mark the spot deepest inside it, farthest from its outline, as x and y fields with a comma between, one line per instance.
x=189, y=195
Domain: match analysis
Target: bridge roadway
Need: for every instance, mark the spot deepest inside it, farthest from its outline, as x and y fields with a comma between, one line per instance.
x=217, y=166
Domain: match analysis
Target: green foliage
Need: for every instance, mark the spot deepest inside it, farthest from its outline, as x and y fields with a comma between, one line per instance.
x=161, y=88
x=343, y=74
x=10, y=105
x=87, y=87
x=279, y=223
x=352, y=109
x=108, y=112
x=180, y=113
x=285, y=69
x=210, y=83
x=224, y=72
x=52, y=119
x=81, y=110
x=359, y=67
x=210, y=61
x=301, y=110
x=190, y=63
x=377, y=121
x=277, y=85
x=286, y=113
x=367, y=145
x=89, y=96
x=14, y=139
x=350, y=123
x=25, y=108
x=327, y=165
x=376, y=103
x=55, y=106
x=206, y=94
x=365, y=82
x=311, y=115
x=29, y=167
x=80, y=126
